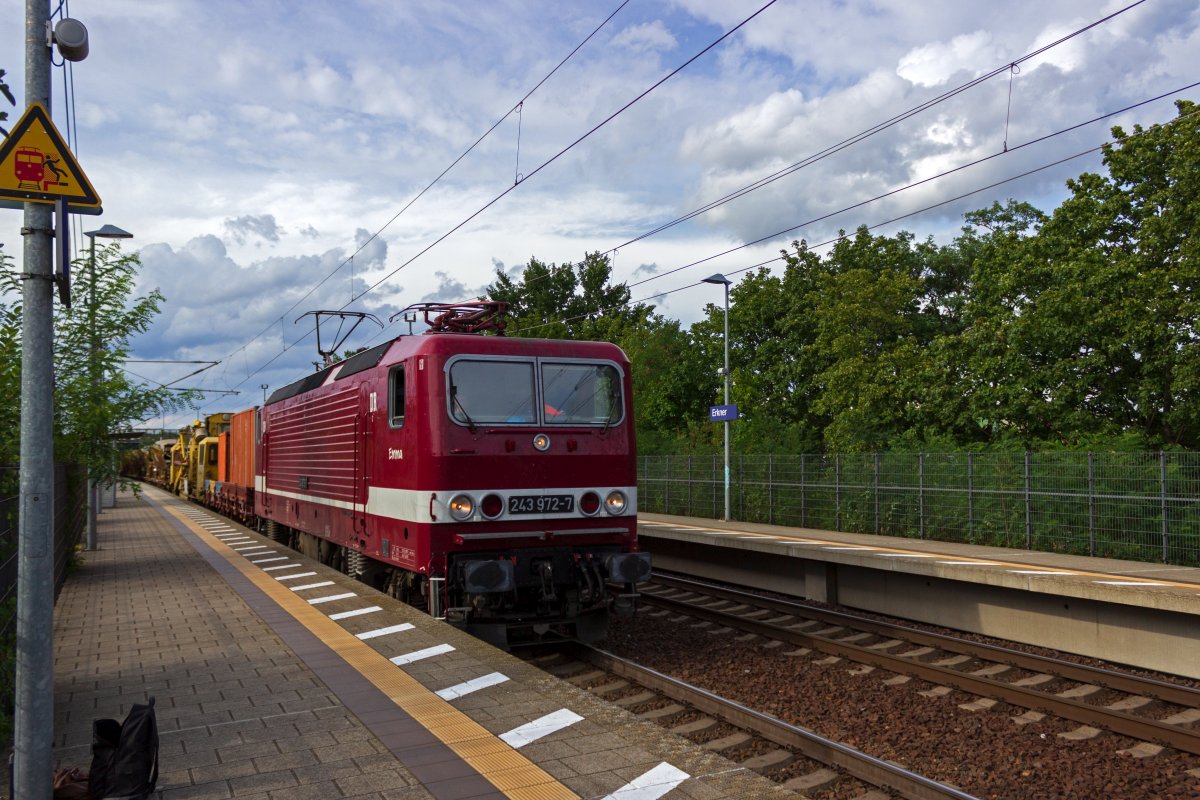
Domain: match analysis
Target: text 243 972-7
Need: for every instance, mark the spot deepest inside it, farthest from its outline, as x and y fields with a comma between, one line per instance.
x=541, y=504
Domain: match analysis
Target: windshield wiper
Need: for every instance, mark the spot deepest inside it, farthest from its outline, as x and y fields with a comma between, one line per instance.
x=612, y=413
x=458, y=403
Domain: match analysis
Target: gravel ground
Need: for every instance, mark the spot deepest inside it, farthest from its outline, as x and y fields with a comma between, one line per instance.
x=985, y=753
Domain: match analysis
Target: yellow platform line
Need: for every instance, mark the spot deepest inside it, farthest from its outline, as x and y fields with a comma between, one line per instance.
x=510, y=772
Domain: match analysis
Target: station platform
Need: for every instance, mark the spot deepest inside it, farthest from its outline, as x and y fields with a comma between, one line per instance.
x=277, y=677
x=1140, y=614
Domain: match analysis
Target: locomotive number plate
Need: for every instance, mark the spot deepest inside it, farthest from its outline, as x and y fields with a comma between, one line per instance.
x=541, y=504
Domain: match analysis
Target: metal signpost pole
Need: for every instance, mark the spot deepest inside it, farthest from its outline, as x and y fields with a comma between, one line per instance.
x=33, y=730
x=727, y=517
x=725, y=419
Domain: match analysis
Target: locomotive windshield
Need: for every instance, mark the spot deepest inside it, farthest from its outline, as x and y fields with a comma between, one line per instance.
x=496, y=391
x=580, y=394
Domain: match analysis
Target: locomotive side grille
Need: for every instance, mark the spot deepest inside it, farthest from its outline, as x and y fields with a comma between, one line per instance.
x=314, y=444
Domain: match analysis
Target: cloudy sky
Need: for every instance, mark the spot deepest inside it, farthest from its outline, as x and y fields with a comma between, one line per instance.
x=265, y=154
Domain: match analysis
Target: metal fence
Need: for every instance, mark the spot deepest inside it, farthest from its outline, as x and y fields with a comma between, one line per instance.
x=70, y=512
x=1137, y=506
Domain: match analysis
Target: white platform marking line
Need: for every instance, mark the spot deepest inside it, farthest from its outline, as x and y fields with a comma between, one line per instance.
x=971, y=563
x=474, y=685
x=293, y=576
x=236, y=539
x=358, y=612
x=281, y=566
x=407, y=626
x=543, y=726
x=316, y=601
x=316, y=585
x=417, y=655
x=906, y=555
x=651, y=785
x=1040, y=572
x=268, y=560
x=872, y=549
x=251, y=547
x=1131, y=583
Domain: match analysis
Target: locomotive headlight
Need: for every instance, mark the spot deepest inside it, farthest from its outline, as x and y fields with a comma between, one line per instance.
x=541, y=442
x=615, y=502
x=461, y=507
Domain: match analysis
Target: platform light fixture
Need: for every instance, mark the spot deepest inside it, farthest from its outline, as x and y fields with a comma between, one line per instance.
x=104, y=232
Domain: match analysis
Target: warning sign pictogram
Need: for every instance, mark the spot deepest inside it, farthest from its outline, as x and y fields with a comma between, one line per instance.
x=37, y=167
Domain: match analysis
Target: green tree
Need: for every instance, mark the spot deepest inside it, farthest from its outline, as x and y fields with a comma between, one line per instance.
x=1087, y=326
x=771, y=353
x=93, y=396
x=671, y=385
x=867, y=310
x=964, y=381
x=567, y=301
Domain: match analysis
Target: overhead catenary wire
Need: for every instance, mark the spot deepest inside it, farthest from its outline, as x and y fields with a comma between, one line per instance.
x=1011, y=67
x=535, y=171
x=861, y=204
x=893, y=220
x=850, y=141
x=432, y=183
x=915, y=184
x=572, y=145
x=1008, y=66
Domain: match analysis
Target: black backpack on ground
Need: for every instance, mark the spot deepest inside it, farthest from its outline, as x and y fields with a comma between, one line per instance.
x=125, y=756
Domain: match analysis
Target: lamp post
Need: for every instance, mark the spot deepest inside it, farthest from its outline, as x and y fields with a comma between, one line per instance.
x=105, y=232
x=721, y=279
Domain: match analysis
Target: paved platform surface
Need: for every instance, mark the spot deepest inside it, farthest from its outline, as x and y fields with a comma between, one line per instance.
x=1138, y=613
x=276, y=677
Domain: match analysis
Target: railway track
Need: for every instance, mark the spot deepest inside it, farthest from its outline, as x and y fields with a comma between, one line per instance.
x=668, y=700
x=901, y=649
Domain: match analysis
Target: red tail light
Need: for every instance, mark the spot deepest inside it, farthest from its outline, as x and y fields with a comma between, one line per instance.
x=491, y=506
x=590, y=503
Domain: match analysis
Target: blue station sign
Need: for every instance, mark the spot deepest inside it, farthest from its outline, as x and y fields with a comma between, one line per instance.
x=723, y=413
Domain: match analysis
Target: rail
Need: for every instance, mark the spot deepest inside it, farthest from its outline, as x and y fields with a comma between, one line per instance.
x=1142, y=728
x=874, y=771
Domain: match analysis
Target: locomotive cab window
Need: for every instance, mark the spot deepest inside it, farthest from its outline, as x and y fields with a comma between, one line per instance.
x=491, y=391
x=396, y=396
x=498, y=391
x=580, y=393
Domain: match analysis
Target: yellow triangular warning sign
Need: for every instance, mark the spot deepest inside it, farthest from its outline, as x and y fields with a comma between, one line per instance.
x=37, y=167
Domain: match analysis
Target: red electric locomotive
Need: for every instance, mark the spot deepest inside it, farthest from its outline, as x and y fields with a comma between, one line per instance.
x=490, y=479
